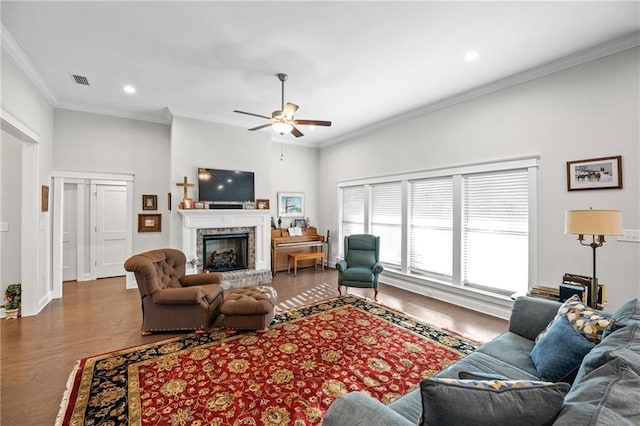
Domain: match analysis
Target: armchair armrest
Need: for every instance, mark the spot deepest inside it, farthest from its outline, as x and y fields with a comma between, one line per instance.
x=201, y=279
x=341, y=265
x=358, y=409
x=178, y=296
x=377, y=268
x=531, y=315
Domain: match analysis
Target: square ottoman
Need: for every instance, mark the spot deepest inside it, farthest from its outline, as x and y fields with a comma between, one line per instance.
x=250, y=307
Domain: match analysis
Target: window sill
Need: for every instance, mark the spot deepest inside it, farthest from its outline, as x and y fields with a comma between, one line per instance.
x=478, y=300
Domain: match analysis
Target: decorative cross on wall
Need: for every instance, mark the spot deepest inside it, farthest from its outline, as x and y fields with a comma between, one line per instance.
x=185, y=185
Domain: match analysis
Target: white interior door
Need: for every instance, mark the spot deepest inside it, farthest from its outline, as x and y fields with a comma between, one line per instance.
x=69, y=233
x=111, y=230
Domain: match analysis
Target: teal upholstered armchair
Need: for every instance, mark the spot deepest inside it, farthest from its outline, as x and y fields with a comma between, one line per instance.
x=361, y=265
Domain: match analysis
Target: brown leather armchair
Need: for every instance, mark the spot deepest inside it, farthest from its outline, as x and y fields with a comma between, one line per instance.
x=172, y=300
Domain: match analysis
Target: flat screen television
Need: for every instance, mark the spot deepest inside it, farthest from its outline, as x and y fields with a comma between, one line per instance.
x=225, y=187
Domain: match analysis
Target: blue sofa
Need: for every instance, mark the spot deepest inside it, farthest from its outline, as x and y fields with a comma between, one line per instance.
x=605, y=388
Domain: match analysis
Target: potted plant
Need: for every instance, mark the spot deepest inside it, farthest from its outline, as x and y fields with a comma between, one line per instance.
x=12, y=297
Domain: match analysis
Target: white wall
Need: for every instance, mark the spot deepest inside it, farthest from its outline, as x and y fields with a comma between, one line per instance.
x=88, y=142
x=197, y=143
x=22, y=99
x=294, y=168
x=10, y=209
x=588, y=111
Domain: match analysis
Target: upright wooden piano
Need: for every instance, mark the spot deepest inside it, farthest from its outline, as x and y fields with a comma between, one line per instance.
x=282, y=244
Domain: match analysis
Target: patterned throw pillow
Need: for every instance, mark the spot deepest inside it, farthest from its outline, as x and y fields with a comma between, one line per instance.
x=490, y=402
x=584, y=319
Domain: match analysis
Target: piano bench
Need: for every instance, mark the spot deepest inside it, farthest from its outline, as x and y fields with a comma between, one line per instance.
x=306, y=255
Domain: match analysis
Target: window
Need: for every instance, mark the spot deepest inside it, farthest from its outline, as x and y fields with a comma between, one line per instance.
x=472, y=227
x=386, y=220
x=495, y=231
x=352, y=211
x=431, y=226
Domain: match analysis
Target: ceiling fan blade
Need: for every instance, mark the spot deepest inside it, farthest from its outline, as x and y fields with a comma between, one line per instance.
x=260, y=127
x=289, y=110
x=297, y=133
x=250, y=113
x=313, y=122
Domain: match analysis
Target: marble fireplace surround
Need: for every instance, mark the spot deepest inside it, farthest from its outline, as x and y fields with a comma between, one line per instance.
x=206, y=221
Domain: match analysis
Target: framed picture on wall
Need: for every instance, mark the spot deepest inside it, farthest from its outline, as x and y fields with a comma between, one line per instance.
x=595, y=173
x=262, y=204
x=149, y=202
x=148, y=222
x=45, y=198
x=290, y=204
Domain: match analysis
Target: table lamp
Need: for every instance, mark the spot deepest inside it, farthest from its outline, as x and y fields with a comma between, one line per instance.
x=596, y=223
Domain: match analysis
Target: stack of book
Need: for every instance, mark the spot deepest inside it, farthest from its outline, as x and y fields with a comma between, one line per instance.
x=580, y=285
x=551, y=293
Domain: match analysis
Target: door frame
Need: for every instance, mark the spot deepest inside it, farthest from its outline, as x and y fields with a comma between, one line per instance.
x=59, y=178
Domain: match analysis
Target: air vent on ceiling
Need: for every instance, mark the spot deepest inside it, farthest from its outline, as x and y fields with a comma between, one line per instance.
x=80, y=79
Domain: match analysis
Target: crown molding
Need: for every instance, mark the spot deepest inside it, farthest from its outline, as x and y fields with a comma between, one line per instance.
x=12, y=48
x=578, y=58
x=162, y=118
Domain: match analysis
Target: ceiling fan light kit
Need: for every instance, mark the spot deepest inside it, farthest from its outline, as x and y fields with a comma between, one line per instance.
x=282, y=121
x=282, y=127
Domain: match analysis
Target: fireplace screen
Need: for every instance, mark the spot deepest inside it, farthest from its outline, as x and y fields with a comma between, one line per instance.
x=225, y=252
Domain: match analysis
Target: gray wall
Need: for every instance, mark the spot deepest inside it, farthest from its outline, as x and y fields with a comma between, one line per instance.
x=10, y=209
x=196, y=143
x=24, y=101
x=588, y=111
x=88, y=142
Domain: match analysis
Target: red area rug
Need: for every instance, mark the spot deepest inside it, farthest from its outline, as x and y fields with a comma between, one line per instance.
x=288, y=375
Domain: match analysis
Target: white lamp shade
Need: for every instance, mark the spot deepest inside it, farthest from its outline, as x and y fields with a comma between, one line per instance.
x=282, y=127
x=593, y=222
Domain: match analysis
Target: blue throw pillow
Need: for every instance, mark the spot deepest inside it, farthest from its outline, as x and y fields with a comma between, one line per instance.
x=559, y=352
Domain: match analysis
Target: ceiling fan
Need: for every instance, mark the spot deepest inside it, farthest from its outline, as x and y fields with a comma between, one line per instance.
x=282, y=120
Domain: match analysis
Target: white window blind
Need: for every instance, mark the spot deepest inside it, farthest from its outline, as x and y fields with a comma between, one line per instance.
x=352, y=211
x=431, y=226
x=495, y=231
x=386, y=220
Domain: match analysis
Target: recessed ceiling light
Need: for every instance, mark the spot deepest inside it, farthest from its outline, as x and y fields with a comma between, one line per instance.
x=471, y=55
x=129, y=89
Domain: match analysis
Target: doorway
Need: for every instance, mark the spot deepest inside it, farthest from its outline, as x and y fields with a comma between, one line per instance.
x=92, y=226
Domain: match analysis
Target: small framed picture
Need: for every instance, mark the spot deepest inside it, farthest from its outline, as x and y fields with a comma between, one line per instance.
x=149, y=202
x=299, y=223
x=262, y=204
x=198, y=204
x=45, y=198
x=149, y=222
x=595, y=173
x=249, y=205
x=290, y=204
x=187, y=203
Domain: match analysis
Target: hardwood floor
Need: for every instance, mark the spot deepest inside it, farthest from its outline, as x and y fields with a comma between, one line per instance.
x=39, y=352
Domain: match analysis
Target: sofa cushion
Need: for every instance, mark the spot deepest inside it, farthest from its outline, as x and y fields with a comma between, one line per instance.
x=408, y=406
x=490, y=402
x=482, y=362
x=622, y=343
x=513, y=349
x=586, y=320
x=608, y=395
x=628, y=313
x=559, y=352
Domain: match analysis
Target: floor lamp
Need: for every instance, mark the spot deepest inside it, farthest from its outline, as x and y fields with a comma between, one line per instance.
x=596, y=223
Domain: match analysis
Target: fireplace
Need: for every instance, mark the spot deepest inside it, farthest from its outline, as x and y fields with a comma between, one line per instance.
x=225, y=252
x=198, y=223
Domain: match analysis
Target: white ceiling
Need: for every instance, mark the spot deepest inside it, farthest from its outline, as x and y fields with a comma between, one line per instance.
x=360, y=65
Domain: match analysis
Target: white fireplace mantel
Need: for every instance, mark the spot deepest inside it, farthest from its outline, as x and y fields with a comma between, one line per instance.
x=192, y=220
